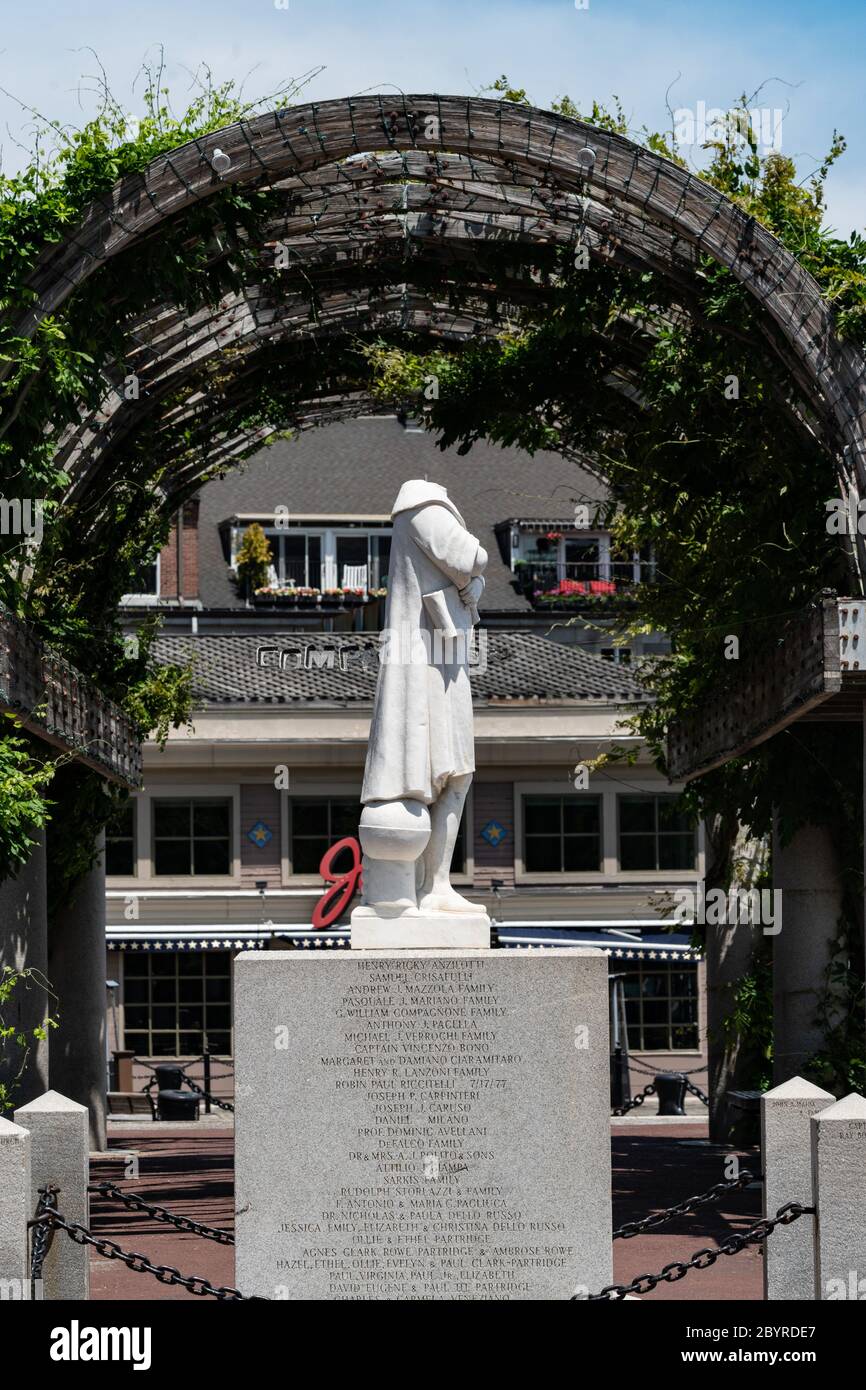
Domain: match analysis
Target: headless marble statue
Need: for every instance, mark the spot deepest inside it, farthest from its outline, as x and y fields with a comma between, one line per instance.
x=421, y=754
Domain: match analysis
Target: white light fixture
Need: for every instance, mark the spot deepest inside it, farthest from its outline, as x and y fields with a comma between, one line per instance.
x=220, y=162
x=585, y=159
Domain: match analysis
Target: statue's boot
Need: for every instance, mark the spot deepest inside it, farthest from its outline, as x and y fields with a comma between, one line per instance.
x=445, y=899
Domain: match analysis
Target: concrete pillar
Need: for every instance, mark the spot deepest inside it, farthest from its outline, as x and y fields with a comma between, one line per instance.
x=24, y=945
x=839, y=1196
x=59, y=1156
x=786, y=1156
x=76, y=958
x=15, y=1211
x=808, y=874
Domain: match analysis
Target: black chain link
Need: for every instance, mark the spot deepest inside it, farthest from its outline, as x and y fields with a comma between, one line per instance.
x=140, y=1264
x=704, y=1199
x=705, y=1258
x=206, y=1095
x=193, y=1086
x=664, y=1071
x=635, y=1101
x=111, y=1192
x=696, y=1091
x=42, y=1234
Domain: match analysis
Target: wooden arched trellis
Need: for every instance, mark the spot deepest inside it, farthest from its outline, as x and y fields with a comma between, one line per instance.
x=383, y=202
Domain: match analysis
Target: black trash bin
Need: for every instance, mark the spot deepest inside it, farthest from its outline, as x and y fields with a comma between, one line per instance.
x=671, y=1091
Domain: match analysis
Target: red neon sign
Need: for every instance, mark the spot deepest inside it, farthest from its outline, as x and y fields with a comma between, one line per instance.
x=336, y=899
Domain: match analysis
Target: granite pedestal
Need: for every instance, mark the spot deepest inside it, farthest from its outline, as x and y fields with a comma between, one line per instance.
x=422, y=1125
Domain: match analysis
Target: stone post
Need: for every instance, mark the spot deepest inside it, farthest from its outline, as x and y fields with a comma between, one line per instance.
x=786, y=1150
x=15, y=1211
x=839, y=1194
x=59, y=1155
x=24, y=946
x=807, y=872
x=77, y=962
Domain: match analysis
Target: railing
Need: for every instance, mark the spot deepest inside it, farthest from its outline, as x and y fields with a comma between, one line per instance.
x=580, y=576
x=311, y=583
x=57, y=704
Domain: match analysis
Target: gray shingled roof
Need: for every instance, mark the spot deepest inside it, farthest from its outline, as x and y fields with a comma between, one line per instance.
x=358, y=467
x=340, y=669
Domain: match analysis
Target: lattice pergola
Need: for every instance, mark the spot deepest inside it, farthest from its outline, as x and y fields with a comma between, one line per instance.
x=392, y=215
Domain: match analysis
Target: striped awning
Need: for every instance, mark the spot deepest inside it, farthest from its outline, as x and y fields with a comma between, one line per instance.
x=620, y=942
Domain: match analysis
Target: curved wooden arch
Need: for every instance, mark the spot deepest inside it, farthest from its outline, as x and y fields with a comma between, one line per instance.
x=506, y=172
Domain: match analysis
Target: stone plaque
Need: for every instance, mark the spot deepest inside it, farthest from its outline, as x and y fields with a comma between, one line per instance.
x=422, y=1125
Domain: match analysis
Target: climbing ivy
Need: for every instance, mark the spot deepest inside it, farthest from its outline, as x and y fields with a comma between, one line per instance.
x=68, y=591
x=16, y=1043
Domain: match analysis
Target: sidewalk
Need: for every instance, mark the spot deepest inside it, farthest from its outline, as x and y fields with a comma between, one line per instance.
x=190, y=1171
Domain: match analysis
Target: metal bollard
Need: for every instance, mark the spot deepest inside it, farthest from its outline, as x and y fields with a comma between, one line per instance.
x=671, y=1091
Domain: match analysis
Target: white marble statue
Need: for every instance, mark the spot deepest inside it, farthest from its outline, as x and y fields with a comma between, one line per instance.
x=421, y=754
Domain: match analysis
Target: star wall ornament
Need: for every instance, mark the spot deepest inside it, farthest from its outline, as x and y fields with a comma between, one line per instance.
x=260, y=834
x=494, y=833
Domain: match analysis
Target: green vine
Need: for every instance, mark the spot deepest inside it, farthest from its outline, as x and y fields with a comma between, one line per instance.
x=16, y=1043
x=24, y=804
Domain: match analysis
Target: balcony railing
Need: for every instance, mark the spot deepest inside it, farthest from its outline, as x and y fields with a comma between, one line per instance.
x=567, y=579
x=57, y=704
x=326, y=581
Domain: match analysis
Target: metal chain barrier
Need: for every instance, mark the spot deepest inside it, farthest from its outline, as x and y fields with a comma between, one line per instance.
x=704, y=1259
x=111, y=1192
x=635, y=1101
x=696, y=1091
x=206, y=1095
x=42, y=1234
x=193, y=1086
x=166, y=1274
x=704, y=1199
x=664, y=1071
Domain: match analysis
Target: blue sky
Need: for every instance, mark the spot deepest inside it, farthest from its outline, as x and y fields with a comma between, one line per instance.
x=809, y=55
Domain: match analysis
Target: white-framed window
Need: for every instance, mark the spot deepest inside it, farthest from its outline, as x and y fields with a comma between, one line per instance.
x=582, y=556
x=561, y=833
x=565, y=835
x=325, y=557
x=188, y=833
x=297, y=557
x=654, y=833
x=191, y=836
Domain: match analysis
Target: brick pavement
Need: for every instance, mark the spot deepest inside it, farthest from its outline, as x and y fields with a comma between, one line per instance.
x=654, y=1166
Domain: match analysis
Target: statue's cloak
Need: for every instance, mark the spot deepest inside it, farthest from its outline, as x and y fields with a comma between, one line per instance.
x=421, y=732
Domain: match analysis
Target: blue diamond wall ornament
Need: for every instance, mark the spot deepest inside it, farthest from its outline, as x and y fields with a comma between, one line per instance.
x=260, y=834
x=494, y=833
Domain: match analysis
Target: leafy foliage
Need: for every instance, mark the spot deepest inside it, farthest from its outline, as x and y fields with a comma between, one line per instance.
x=12, y=1036
x=24, y=805
x=90, y=553
x=254, y=558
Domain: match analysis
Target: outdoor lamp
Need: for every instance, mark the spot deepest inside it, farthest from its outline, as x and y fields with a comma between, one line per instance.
x=220, y=162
